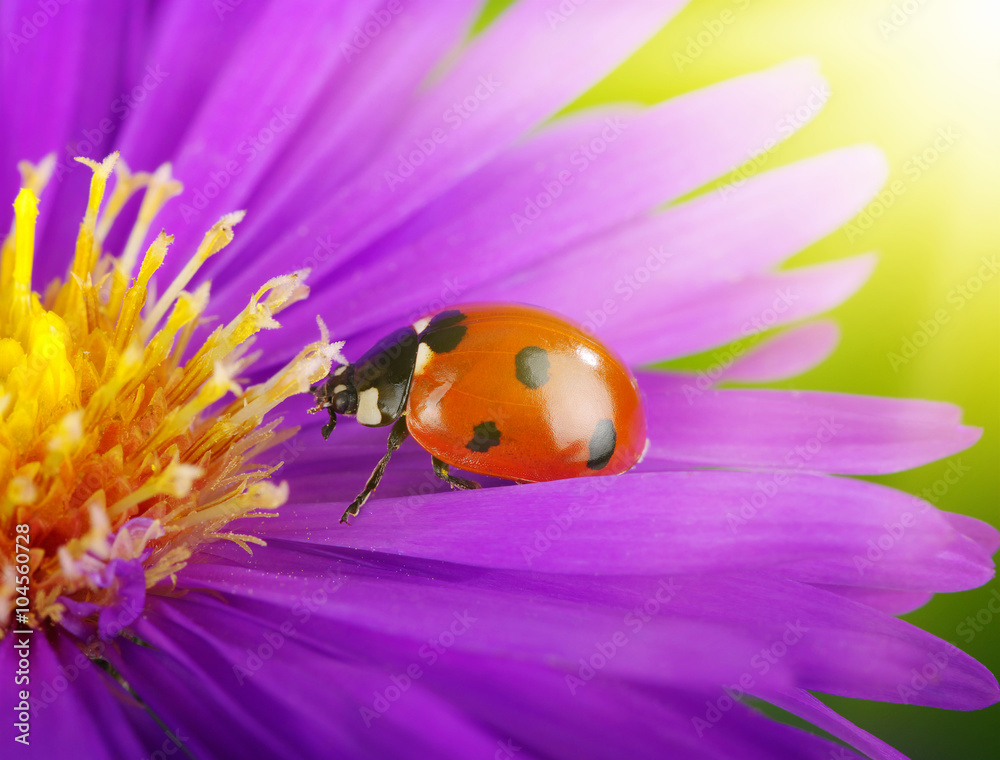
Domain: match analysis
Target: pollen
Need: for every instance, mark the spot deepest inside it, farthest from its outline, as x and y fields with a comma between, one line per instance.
x=125, y=445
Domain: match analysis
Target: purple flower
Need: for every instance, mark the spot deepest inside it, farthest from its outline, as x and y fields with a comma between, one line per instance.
x=643, y=615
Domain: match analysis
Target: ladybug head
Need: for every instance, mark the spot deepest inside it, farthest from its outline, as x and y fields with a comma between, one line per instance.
x=337, y=394
x=375, y=387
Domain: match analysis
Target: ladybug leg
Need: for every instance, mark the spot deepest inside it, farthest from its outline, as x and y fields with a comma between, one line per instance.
x=441, y=470
x=397, y=435
x=328, y=427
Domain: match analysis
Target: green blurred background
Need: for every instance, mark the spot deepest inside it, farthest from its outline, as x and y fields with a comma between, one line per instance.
x=900, y=70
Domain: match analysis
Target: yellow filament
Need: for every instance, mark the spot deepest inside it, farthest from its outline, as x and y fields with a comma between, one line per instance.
x=102, y=418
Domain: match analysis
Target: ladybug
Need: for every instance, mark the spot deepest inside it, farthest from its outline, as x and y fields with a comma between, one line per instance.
x=498, y=389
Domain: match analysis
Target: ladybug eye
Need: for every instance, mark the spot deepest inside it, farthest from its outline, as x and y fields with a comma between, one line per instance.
x=345, y=400
x=337, y=391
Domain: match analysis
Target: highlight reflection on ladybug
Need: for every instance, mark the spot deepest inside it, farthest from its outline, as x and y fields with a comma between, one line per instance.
x=507, y=390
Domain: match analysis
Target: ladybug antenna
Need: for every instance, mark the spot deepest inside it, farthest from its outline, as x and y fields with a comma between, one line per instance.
x=337, y=394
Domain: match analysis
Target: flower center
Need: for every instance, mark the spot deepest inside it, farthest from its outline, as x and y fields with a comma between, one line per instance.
x=120, y=452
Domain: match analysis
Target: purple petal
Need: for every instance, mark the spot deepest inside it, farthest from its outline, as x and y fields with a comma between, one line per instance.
x=709, y=131
x=46, y=109
x=238, y=137
x=153, y=130
x=746, y=308
x=543, y=619
x=819, y=529
x=521, y=615
x=889, y=601
x=616, y=280
x=592, y=41
x=563, y=715
x=127, y=581
x=75, y=707
x=982, y=533
x=270, y=651
x=487, y=241
x=437, y=250
x=803, y=704
x=511, y=99
x=877, y=657
x=365, y=103
x=75, y=618
x=276, y=695
x=829, y=432
x=782, y=356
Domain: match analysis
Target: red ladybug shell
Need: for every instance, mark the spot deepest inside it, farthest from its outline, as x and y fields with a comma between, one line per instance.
x=520, y=393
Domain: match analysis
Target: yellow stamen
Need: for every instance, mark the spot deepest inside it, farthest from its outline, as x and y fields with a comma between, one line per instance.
x=161, y=187
x=33, y=178
x=127, y=184
x=102, y=419
x=136, y=296
x=25, y=215
x=86, y=248
x=215, y=240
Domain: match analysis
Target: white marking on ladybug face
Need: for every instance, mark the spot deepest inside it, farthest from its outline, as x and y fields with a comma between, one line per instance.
x=424, y=355
x=339, y=388
x=368, y=411
x=340, y=370
x=421, y=324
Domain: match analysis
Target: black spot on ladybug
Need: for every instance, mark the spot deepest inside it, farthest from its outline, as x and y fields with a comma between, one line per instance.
x=602, y=445
x=532, y=366
x=485, y=436
x=444, y=332
x=446, y=318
